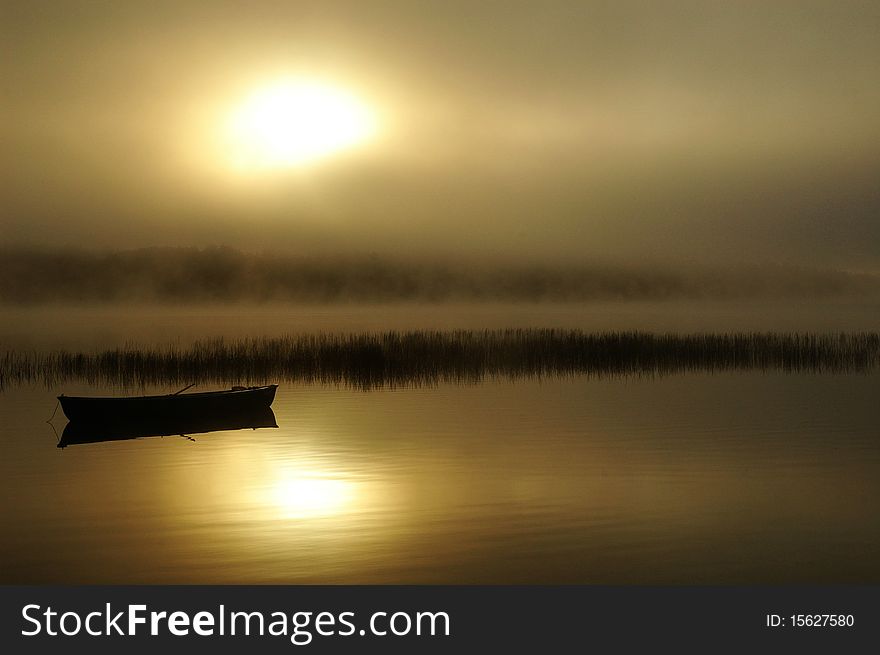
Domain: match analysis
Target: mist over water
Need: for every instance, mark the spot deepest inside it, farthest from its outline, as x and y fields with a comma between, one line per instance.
x=97, y=326
x=34, y=276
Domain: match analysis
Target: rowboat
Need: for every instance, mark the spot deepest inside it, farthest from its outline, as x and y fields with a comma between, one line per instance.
x=76, y=432
x=91, y=410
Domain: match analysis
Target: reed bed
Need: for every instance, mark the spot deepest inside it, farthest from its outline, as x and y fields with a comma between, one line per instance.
x=424, y=358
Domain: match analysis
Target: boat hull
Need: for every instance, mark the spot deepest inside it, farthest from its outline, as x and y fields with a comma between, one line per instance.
x=169, y=408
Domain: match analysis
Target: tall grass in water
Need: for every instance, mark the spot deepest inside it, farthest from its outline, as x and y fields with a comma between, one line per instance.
x=368, y=361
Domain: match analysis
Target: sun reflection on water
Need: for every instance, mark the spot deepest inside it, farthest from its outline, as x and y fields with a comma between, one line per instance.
x=311, y=494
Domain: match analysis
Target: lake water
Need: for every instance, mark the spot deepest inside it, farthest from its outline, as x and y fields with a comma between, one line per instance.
x=698, y=478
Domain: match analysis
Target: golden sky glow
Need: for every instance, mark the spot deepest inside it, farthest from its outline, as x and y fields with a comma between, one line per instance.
x=563, y=130
x=294, y=122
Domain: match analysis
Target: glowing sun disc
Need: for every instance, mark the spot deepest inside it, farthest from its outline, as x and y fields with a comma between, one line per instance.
x=293, y=123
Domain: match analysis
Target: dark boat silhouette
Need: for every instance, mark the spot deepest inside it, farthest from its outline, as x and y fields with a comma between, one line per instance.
x=170, y=407
x=120, y=429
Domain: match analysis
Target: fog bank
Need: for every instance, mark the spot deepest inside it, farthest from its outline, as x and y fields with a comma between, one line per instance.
x=31, y=276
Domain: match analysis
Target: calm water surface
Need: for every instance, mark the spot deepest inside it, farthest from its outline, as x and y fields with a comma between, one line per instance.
x=684, y=479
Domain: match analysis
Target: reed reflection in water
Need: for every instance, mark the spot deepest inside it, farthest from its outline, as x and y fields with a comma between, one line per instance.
x=697, y=478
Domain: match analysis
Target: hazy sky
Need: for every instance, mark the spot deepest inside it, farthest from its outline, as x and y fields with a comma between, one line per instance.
x=614, y=130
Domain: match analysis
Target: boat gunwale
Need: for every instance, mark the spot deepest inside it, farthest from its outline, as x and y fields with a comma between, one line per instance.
x=198, y=394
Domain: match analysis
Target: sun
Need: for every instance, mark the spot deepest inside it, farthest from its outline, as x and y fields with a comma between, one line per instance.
x=295, y=122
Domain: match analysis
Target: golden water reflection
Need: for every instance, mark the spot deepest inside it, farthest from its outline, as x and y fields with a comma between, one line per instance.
x=686, y=479
x=310, y=494
x=298, y=483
